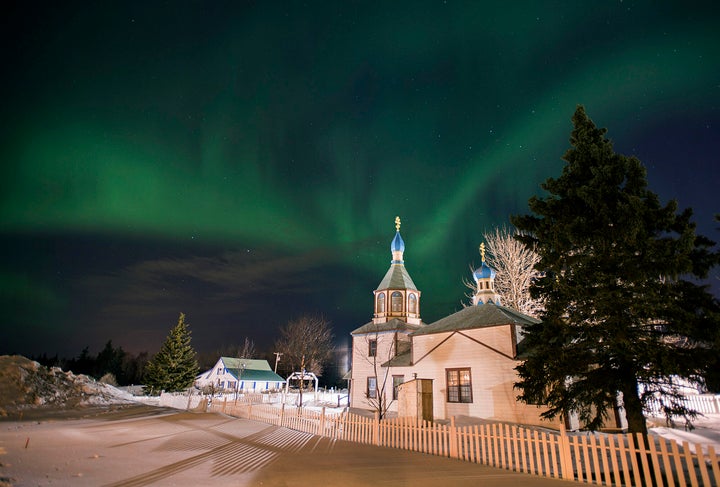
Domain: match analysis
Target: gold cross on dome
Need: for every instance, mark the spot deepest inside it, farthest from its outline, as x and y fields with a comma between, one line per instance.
x=482, y=251
x=397, y=223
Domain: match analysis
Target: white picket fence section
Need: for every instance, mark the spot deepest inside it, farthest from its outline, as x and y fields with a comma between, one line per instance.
x=702, y=403
x=613, y=460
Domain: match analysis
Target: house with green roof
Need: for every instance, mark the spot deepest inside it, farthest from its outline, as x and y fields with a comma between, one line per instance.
x=469, y=357
x=240, y=375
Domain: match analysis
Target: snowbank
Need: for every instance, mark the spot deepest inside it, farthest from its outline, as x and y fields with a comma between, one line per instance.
x=26, y=384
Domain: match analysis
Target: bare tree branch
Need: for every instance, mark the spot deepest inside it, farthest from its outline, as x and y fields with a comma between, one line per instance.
x=515, y=268
x=306, y=341
x=379, y=402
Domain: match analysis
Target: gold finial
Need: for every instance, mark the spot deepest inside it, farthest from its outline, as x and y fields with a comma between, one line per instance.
x=397, y=223
x=482, y=251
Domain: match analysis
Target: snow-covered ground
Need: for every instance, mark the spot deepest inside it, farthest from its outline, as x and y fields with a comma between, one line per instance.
x=706, y=432
x=26, y=385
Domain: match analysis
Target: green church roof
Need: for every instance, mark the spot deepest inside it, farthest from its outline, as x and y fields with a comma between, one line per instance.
x=397, y=277
x=390, y=325
x=482, y=316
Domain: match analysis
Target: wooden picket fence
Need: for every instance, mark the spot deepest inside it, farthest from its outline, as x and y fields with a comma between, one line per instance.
x=614, y=460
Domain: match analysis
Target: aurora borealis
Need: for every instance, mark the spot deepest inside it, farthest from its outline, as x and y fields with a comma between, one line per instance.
x=243, y=162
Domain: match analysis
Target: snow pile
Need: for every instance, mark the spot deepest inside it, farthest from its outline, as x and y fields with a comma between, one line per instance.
x=26, y=384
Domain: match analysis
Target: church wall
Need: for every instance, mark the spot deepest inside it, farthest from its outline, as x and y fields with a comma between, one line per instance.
x=363, y=366
x=497, y=337
x=492, y=375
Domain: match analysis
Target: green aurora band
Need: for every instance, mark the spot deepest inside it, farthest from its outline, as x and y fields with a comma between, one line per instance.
x=307, y=131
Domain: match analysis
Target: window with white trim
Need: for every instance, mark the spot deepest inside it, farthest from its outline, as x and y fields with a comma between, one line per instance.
x=459, y=385
x=372, y=348
x=372, y=387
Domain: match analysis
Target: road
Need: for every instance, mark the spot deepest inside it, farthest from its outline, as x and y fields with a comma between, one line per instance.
x=141, y=446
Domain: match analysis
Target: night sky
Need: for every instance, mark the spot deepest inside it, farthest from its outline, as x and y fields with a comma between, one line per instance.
x=243, y=162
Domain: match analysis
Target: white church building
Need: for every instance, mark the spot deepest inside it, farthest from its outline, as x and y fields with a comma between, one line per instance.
x=468, y=357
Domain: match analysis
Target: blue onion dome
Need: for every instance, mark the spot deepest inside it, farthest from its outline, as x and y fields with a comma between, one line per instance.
x=397, y=244
x=484, y=272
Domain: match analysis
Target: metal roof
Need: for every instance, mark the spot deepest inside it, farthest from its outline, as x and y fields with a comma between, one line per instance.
x=390, y=325
x=397, y=277
x=247, y=363
x=255, y=375
x=401, y=360
x=482, y=316
x=250, y=369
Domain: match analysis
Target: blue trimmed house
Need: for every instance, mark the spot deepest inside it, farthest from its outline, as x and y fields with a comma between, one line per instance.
x=240, y=375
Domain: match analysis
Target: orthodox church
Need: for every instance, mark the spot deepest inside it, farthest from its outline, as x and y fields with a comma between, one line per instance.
x=466, y=361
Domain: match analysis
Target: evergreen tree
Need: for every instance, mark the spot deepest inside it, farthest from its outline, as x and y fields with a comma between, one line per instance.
x=109, y=361
x=621, y=313
x=175, y=367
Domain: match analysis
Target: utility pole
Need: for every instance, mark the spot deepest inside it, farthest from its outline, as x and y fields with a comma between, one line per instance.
x=277, y=359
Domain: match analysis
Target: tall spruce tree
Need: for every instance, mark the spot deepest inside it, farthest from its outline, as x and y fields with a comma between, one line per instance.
x=175, y=366
x=622, y=314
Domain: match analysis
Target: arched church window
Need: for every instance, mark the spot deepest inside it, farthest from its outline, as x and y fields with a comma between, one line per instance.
x=396, y=302
x=381, y=303
x=412, y=303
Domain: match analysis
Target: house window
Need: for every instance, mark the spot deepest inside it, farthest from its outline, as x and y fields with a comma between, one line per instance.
x=381, y=303
x=459, y=385
x=412, y=303
x=397, y=380
x=396, y=302
x=372, y=387
x=372, y=348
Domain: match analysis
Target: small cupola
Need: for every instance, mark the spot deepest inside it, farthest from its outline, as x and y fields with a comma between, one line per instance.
x=484, y=277
x=397, y=297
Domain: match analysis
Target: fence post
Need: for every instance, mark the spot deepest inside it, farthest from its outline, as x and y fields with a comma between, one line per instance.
x=321, y=426
x=250, y=410
x=453, y=438
x=565, y=455
x=343, y=433
x=282, y=414
x=376, y=429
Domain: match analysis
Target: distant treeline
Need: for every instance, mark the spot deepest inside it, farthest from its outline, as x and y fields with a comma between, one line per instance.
x=126, y=368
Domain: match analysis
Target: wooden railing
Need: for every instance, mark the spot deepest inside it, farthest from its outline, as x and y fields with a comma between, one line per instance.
x=622, y=459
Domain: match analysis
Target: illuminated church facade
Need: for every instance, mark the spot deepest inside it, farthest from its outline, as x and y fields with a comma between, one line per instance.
x=468, y=357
